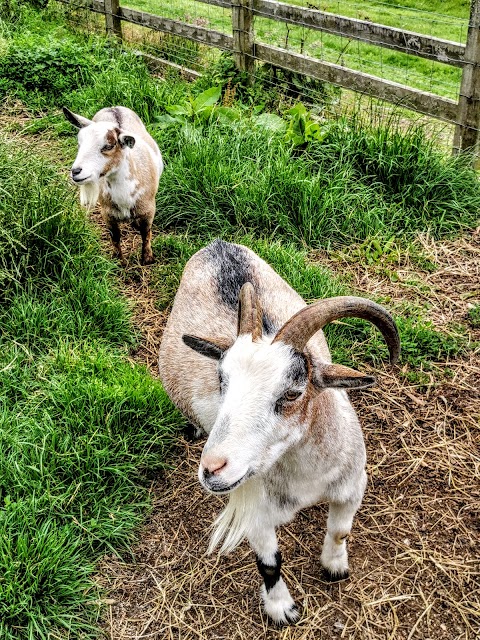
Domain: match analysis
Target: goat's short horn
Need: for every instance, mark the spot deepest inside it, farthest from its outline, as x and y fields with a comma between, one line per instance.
x=300, y=328
x=249, y=312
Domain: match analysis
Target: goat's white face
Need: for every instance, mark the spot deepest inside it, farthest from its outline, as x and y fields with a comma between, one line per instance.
x=267, y=387
x=100, y=152
x=261, y=387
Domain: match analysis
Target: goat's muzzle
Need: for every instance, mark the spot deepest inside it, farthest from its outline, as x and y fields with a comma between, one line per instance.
x=213, y=483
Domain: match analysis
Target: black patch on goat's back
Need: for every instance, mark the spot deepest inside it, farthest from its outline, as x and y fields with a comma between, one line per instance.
x=233, y=269
x=270, y=572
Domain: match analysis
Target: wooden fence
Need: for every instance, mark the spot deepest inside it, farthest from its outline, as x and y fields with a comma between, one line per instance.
x=465, y=113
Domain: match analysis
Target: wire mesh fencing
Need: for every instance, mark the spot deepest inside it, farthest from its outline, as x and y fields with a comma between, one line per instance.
x=408, y=55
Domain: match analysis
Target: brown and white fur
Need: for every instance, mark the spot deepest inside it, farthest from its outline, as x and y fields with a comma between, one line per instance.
x=243, y=358
x=118, y=166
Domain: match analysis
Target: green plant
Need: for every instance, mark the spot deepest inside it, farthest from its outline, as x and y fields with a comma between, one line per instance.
x=302, y=128
x=199, y=109
x=42, y=72
x=13, y=10
x=269, y=88
x=474, y=316
x=372, y=251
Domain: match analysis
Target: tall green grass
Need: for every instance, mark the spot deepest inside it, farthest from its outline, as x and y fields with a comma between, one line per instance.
x=46, y=65
x=79, y=424
x=361, y=181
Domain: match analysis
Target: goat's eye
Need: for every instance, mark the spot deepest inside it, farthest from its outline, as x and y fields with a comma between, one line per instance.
x=291, y=395
x=108, y=147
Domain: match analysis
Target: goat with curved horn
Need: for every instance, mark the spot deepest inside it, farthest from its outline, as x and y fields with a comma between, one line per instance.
x=282, y=433
x=305, y=323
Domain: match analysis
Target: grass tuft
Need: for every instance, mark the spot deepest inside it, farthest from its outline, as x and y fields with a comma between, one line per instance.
x=357, y=184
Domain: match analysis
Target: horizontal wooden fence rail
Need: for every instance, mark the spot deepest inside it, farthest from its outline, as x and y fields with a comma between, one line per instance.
x=410, y=42
x=422, y=101
x=403, y=41
x=465, y=113
x=191, y=32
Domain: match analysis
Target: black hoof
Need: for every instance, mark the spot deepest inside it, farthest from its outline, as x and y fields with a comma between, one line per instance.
x=292, y=614
x=291, y=617
x=328, y=576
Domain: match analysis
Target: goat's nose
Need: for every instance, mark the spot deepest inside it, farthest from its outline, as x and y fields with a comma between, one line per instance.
x=212, y=464
x=76, y=171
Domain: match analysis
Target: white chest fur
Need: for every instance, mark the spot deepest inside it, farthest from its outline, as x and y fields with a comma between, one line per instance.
x=122, y=188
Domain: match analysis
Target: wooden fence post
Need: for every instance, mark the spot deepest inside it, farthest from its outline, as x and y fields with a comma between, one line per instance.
x=242, y=27
x=467, y=131
x=112, y=20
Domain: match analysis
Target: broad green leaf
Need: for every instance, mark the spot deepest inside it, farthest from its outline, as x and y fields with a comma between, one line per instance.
x=179, y=110
x=205, y=113
x=270, y=121
x=206, y=99
x=227, y=114
x=298, y=110
x=165, y=120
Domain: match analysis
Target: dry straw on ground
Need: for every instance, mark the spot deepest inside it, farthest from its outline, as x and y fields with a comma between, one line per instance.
x=415, y=572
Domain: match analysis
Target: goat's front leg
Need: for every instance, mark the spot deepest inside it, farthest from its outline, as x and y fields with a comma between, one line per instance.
x=334, y=556
x=277, y=601
x=115, y=234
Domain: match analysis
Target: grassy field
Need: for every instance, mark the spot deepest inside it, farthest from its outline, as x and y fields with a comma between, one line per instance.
x=83, y=427
x=446, y=20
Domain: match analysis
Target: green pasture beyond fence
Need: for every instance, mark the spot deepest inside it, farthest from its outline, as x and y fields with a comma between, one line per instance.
x=248, y=50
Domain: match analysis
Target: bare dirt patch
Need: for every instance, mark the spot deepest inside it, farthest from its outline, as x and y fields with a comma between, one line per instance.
x=414, y=562
x=448, y=292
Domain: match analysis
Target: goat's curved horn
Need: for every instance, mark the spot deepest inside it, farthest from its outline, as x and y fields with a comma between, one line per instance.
x=300, y=328
x=249, y=312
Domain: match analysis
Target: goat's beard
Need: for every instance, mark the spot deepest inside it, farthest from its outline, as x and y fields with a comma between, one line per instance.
x=238, y=517
x=89, y=195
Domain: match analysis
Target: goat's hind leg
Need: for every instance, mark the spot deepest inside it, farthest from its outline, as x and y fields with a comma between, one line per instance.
x=277, y=601
x=334, y=556
x=145, y=228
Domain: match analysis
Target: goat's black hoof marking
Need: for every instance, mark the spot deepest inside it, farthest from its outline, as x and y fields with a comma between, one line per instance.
x=328, y=576
x=292, y=615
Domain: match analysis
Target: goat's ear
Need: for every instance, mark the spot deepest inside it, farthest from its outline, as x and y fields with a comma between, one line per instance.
x=336, y=376
x=126, y=140
x=210, y=348
x=76, y=120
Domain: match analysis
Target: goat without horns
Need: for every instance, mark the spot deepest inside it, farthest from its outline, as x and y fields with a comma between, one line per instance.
x=246, y=361
x=118, y=165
